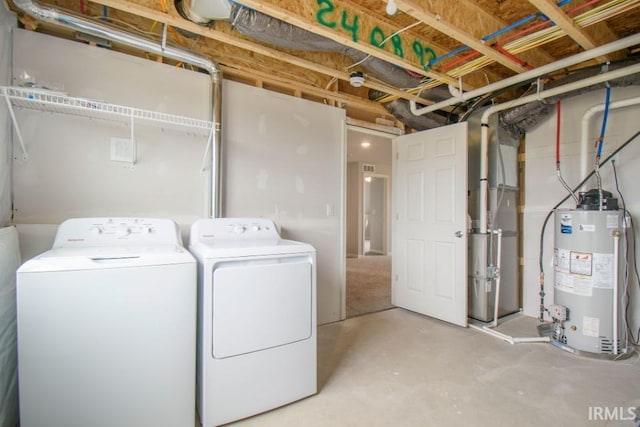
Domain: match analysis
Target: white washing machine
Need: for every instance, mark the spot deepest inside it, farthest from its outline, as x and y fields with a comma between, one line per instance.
x=256, y=318
x=107, y=327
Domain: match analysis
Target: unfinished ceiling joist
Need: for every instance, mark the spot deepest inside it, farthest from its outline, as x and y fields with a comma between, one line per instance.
x=553, y=12
x=172, y=18
x=414, y=9
x=362, y=32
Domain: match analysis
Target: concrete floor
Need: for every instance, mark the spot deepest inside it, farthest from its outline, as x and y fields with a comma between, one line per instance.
x=398, y=368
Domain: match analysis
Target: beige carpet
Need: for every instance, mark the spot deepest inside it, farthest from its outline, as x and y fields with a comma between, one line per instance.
x=368, y=284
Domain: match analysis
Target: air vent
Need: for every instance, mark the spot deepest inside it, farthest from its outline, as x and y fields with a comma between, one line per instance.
x=368, y=168
x=606, y=345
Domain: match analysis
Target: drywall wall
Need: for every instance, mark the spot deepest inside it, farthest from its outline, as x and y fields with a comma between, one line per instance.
x=69, y=171
x=9, y=262
x=9, y=250
x=543, y=191
x=7, y=24
x=354, y=195
x=355, y=209
x=284, y=160
x=375, y=210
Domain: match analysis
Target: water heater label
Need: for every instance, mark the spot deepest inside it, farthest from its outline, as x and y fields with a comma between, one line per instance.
x=566, y=223
x=591, y=326
x=573, y=284
x=603, y=271
x=612, y=221
x=588, y=227
x=561, y=259
x=581, y=263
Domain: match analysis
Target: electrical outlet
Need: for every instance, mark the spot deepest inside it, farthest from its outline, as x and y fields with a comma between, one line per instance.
x=122, y=150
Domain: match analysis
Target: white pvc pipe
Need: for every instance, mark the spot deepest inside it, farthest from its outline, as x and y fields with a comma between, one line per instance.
x=517, y=340
x=584, y=134
x=532, y=74
x=508, y=338
x=616, y=254
x=484, y=123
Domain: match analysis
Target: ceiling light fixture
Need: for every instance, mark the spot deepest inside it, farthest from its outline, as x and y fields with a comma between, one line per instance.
x=356, y=79
x=392, y=7
x=365, y=144
x=367, y=178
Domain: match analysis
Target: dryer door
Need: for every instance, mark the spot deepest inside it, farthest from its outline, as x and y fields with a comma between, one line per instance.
x=261, y=304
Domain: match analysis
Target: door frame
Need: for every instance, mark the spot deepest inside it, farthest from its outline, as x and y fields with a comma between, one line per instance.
x=386, y=232
x=370, y=131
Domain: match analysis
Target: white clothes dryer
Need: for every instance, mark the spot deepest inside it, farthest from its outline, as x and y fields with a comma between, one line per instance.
x=107, y=327
x=256, y=318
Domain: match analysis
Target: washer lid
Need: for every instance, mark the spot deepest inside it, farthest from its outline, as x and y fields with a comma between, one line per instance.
x=117, y=231
x=100, y=258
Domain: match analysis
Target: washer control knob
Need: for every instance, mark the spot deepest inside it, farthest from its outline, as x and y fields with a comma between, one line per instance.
x=149, y=230
x=255, y=228
x=239, y=229
x=124, y=231
x=96, y=230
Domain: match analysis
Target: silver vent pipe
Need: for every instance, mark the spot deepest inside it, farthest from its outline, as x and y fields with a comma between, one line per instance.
x=54, y=16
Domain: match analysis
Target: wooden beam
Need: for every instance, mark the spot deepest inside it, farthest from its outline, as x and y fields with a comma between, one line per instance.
x=361, y=32
x=562, y=20
x=173, y=19
x=480, y=22
x=410, y=7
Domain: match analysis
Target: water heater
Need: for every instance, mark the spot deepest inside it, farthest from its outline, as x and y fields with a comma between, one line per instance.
x=587, y=313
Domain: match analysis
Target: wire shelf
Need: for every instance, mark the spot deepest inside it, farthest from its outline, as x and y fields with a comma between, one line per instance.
x=55, y=102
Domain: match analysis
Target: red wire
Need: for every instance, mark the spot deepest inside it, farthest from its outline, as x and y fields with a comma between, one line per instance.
x=450, y=65
x=508, y=54
x=558, y=132
x=83, y=9
x=544, y=23
x=500, y=43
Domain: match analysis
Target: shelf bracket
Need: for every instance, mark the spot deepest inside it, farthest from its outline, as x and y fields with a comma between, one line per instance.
x=25, y=155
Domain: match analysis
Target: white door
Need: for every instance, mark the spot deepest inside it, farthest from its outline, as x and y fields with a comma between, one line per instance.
x=429, y=268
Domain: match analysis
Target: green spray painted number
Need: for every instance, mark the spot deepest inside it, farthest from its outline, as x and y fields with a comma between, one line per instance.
x=396, y=41
x=376, y=37
x=353, y=27
x=424, y=54
x=350, y=23
x=326, y=7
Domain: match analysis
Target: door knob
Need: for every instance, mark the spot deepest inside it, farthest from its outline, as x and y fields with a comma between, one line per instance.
x=458, y=234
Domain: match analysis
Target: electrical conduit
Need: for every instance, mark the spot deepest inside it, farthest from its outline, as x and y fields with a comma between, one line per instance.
x=51, y=15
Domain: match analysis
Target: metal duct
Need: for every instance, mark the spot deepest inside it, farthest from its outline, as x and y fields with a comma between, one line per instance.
x=278, y=33
x=55, y=16
x=400, y=109
x=518, y=120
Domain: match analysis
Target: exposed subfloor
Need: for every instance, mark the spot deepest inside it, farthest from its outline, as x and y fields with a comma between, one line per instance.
x=398, y=368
